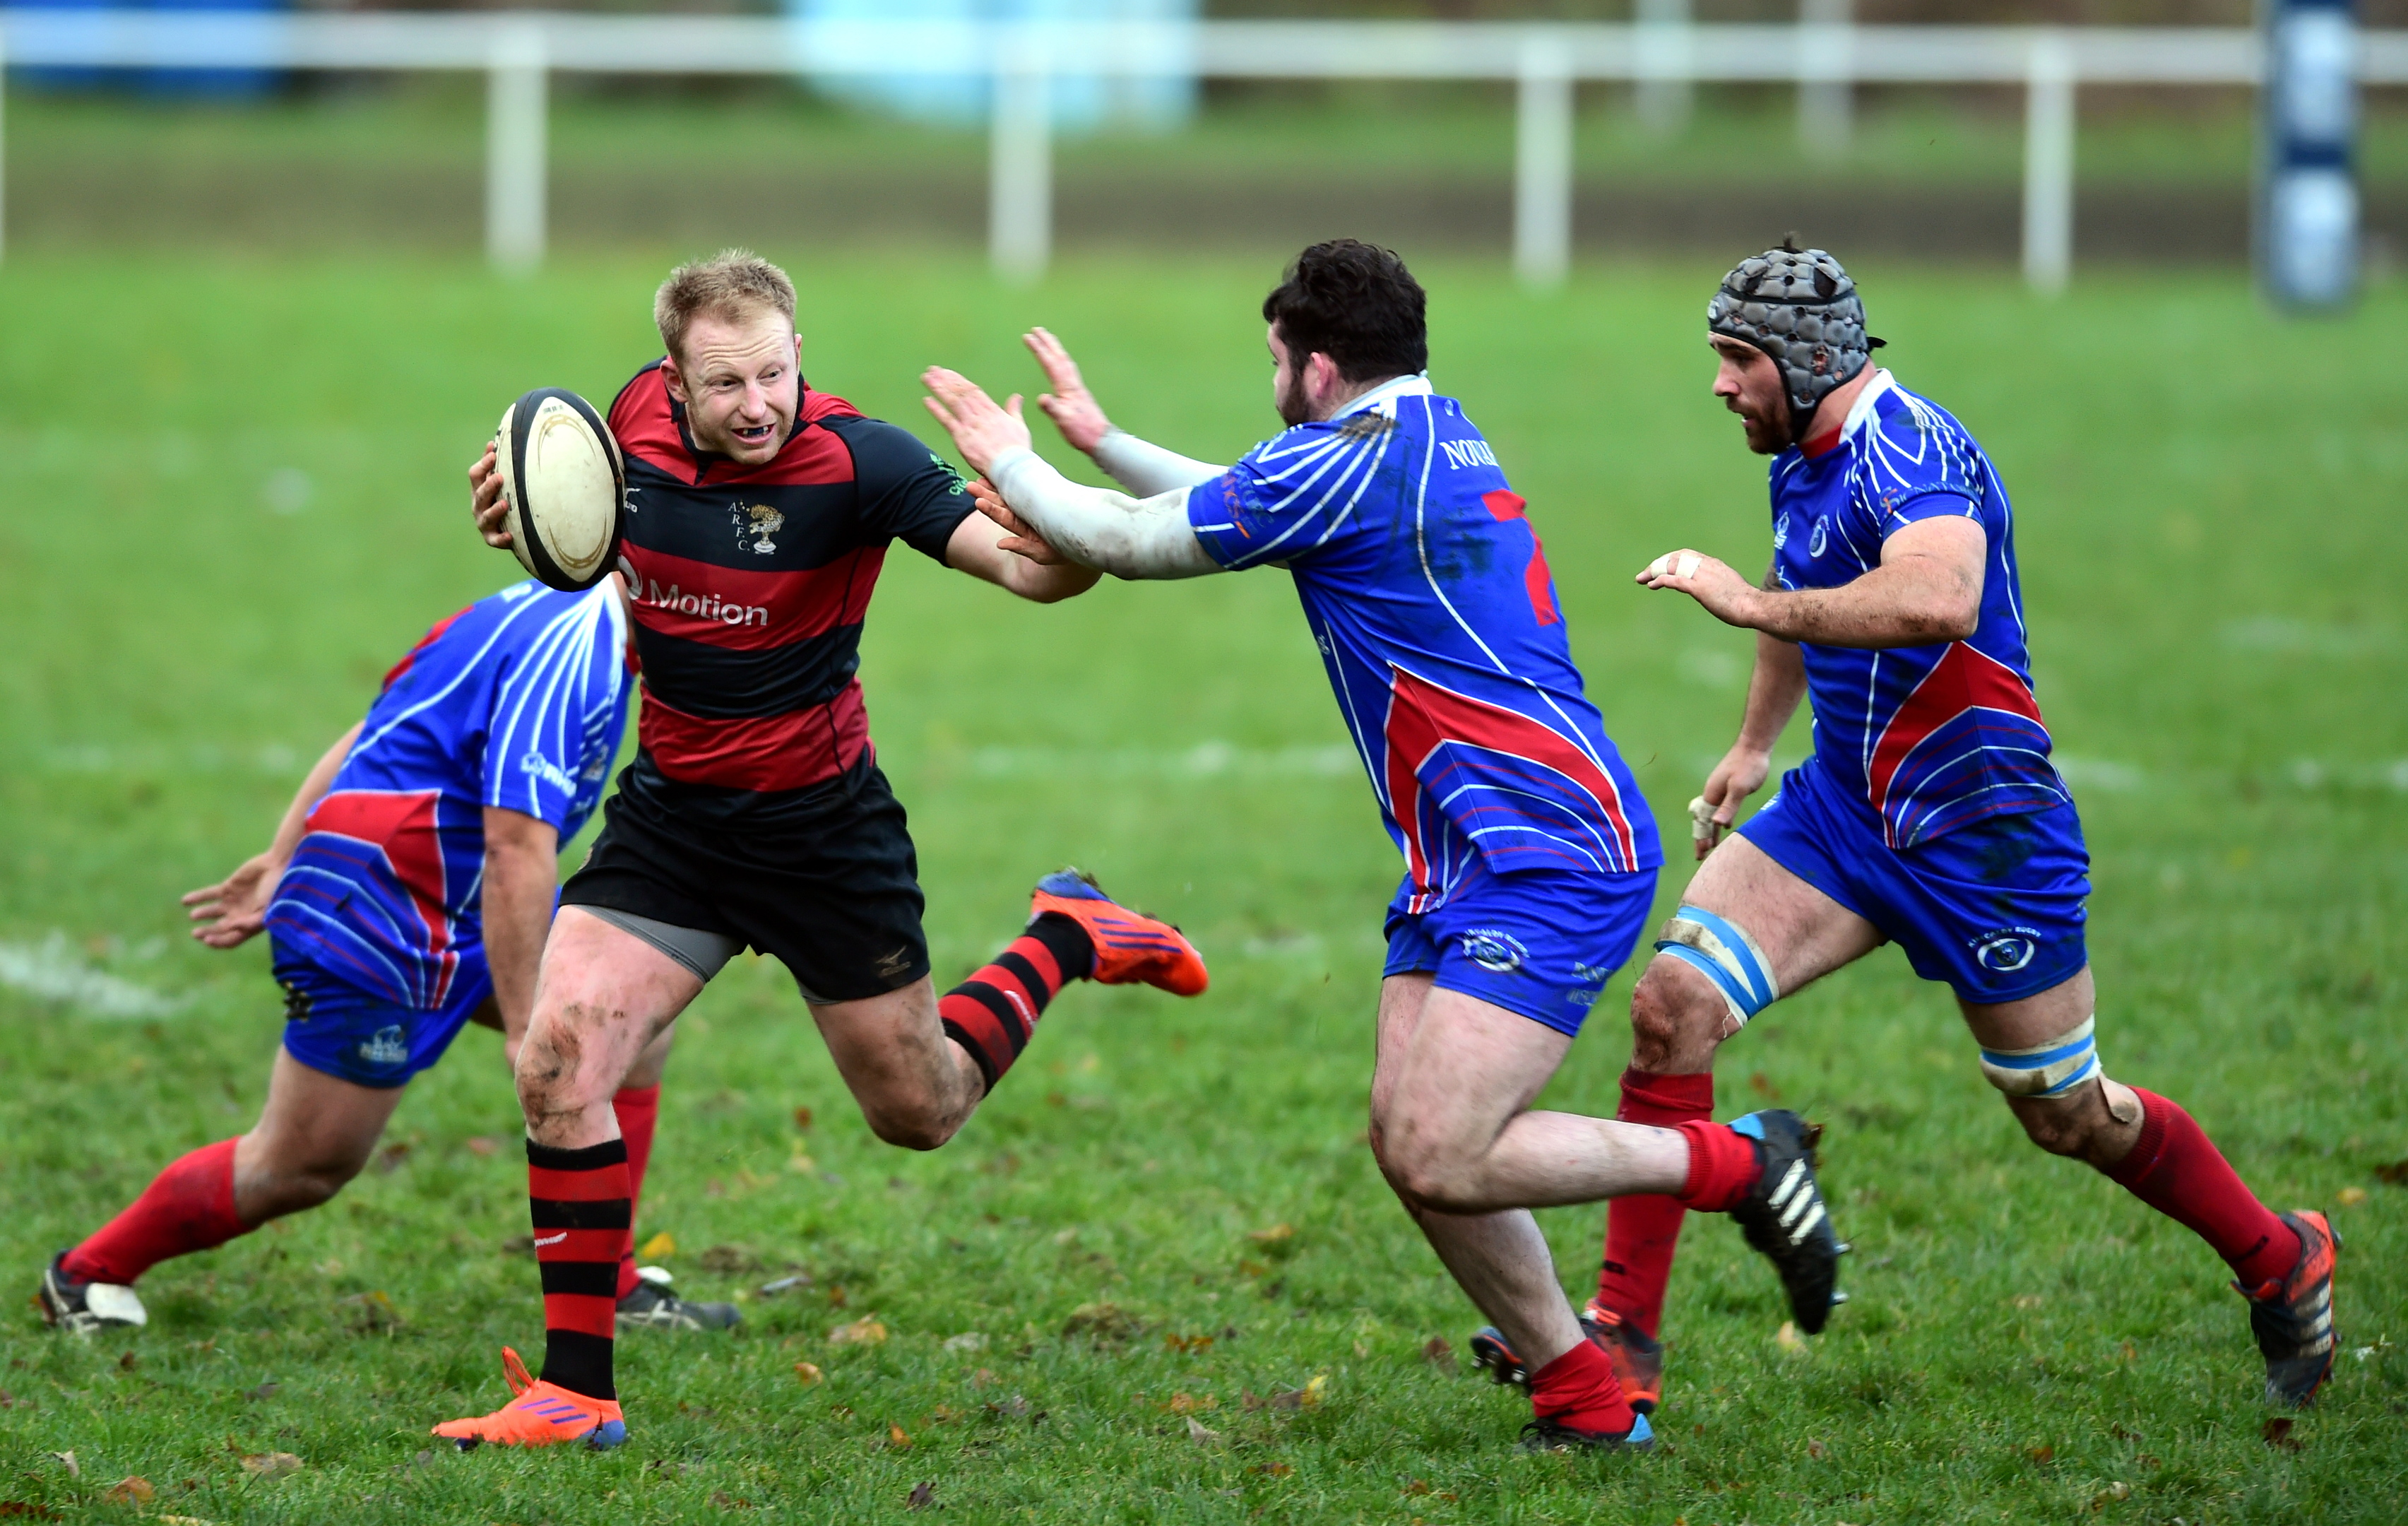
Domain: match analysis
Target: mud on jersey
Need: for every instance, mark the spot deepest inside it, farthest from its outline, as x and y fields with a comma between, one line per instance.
x=749, y=588
x=1929, y=738
x=517, y=702
x=1428, y=594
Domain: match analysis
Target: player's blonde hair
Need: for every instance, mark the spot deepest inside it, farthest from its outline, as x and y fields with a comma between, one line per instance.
x=733, y=285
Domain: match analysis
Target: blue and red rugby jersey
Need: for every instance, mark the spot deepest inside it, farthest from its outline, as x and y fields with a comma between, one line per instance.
x=750, y=586
x=519, y=702
x=1930, y=738
x=1428, y=594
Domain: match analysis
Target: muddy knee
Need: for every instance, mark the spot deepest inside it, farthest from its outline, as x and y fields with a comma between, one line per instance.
x=911, y=1123
x=2061, y=1095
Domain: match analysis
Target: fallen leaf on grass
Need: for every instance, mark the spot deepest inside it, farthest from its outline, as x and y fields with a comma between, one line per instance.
x=128, y=1361
x=659, y=1247
x=1762, y=1085
x=2122, y=1434
x=31, y=1511
x=730, y=1261
x=1439, y=1353
x=369, y=1314
x=1272, y=1470
x=2396, y=1174
x=968, y=1340
x=265, y=1390
x=2042, y=1455
x=896, y=1436
x=131, y=1492
x=803, y=1119
x=1182, y=1403
x=1816, y=1450
x=67, y=1459
x=519, y=1244
x=1200, y=1433
x=984, y=1377
x=1106, y=1323
x=808, y=1373
x=922, y=1495
x=865, y=1331
x=183, y=1521
x=390, y=1158
x=271, y=1465
x=1414, y=1486
x=2106, y=1497
x=1276, y=1234
x=725, y=1500
x=2027, y=1300
x=478, y=1144
x=1187, y=1344
x=2350, y=1197
x=1788, y=1338
x=2278, y=1434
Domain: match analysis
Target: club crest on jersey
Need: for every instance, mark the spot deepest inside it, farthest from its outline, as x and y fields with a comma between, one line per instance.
x=387, y=1045
x=2006, y=950
x=1500, y=953
x=759, y=521
x=1815, y=542
x=1780, y=533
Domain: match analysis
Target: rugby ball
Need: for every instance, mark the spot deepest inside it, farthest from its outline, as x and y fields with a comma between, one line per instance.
x=563, y=488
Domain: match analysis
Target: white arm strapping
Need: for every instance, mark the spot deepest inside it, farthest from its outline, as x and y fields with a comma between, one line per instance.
x=1145, y=468
x=1127, y=537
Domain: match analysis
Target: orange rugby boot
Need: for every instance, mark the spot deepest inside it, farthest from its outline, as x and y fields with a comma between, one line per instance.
x=542, y=1415
x=1129, y=946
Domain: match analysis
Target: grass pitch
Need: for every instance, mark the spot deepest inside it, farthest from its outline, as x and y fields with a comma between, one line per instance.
x=236, y=493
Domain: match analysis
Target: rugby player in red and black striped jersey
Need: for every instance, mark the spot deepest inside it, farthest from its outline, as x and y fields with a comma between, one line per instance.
x=754, y=813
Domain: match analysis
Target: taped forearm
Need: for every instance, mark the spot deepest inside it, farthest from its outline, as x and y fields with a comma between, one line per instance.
x=1127, y=537
x=1146, y=468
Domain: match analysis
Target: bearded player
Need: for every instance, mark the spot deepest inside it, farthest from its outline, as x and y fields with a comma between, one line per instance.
x=1531, y=859
x=759, y=512
x=406, y=893
x=1928, y=815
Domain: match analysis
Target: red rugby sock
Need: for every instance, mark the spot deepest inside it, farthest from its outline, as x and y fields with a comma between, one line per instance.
x=992, y=1014
x=2177, y=1170
x=1722, y=1166
x=188, y=1207
x=1640, y=1232
x=639, y=1113
x=1579, y=1390
x=578, y=1200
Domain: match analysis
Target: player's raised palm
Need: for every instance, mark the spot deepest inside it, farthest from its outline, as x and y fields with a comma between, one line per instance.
x=1070, y=405
x=232, y=911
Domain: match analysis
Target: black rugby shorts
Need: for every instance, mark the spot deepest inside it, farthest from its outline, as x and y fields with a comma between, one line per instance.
x=830, y=889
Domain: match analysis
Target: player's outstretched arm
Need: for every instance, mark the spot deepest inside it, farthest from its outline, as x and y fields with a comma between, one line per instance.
x=522, y=874
x=1926, y=589
x=232, y=911
x=1129, y=538
x=1145, y=469
x=1014, y=560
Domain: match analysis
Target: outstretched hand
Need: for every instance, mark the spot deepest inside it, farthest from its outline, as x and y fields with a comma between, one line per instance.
x=1725, y=594
x=485, y=499
x=982, y=432
x=1070, y=405
x=1019, y=538
x=232, y=911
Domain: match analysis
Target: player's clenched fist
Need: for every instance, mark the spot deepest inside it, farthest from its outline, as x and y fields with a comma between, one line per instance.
x=485, y=499
x=1726, y=596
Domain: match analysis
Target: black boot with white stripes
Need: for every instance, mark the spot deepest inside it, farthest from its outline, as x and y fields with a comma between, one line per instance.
x=1784, y=1214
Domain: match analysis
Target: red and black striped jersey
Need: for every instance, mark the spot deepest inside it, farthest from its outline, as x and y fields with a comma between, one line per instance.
x=750, y=585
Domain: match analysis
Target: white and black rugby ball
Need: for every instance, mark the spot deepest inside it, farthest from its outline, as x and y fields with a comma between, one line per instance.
x=563, y=488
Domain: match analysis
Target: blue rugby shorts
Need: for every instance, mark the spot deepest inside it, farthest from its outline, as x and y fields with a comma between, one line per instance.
x=338, y=1030
x=1540, y=944
x=1995, y=909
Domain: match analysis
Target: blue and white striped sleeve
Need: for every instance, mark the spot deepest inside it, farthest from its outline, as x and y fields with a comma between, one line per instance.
x=556, y=714
x=1287, y=497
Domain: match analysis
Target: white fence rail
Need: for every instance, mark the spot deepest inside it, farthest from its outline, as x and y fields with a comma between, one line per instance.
x=1824, y=59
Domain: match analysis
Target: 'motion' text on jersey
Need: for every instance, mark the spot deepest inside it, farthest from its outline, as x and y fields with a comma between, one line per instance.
x=750, y=586
x=1933, y=736
x=1429, y=597
x=517, y=702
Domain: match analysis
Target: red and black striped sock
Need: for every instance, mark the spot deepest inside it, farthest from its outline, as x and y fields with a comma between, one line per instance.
x=579, y=1200
x=992, y=1014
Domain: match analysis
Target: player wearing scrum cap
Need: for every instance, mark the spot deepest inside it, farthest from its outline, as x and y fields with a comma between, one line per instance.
x=759, y=512
x=1928, y=813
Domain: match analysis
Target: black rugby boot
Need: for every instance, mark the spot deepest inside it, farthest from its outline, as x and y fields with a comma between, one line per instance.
x=1784, y=1215
x=2293, y=1319
x=1547, y=1435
